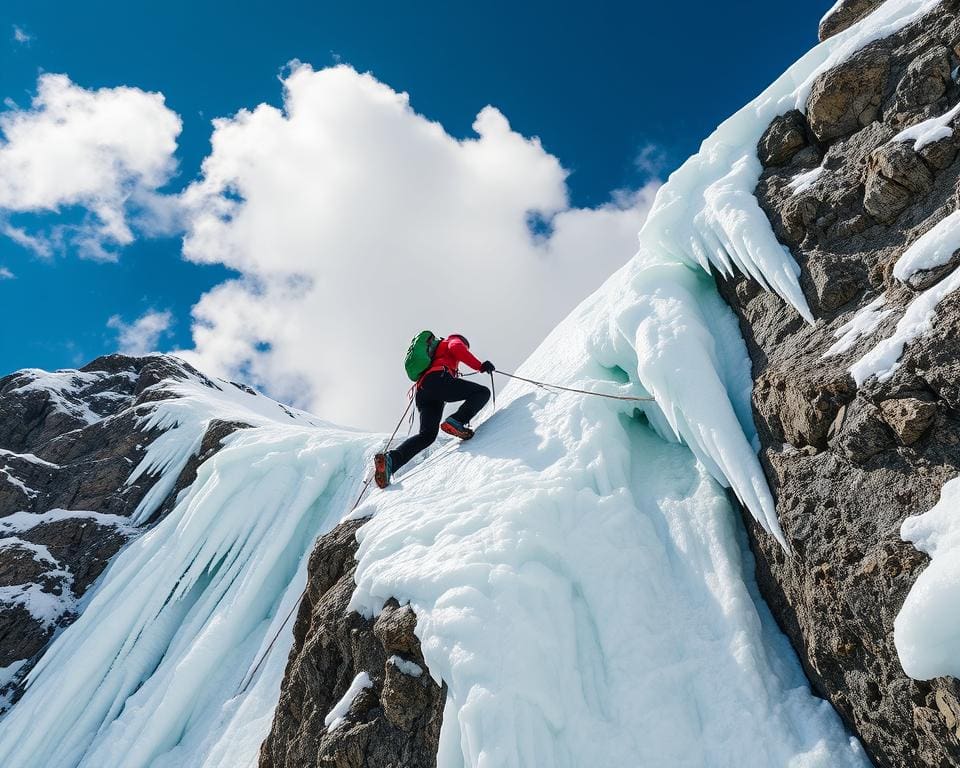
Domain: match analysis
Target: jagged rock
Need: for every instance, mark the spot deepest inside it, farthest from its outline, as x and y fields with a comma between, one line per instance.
x=863, y=433
x=395, y=722
x=950, y=36
x=924, y=82
x=784, y=137
x=908, y=417
x=799, y=411
x=843, y=493
x=848, y=97
x=949, y=709
x=939, y=154
x=927, y=278
x=406, y=697
x=845, y=14
x=836, y=280
x=798, y=216
x=394, y=629
x=896, y=175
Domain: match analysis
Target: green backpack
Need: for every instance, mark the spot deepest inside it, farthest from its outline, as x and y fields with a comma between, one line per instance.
x=420, y=354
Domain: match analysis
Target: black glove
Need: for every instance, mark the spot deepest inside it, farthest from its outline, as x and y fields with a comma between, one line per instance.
x=487, y=367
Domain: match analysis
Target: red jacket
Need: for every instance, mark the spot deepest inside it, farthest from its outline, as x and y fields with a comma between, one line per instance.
x=450, y=353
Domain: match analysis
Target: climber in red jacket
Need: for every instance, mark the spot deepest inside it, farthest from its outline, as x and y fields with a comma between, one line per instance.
x=439, y=384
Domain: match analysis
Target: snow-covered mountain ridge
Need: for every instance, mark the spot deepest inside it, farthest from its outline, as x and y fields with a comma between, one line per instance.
x=573, y=587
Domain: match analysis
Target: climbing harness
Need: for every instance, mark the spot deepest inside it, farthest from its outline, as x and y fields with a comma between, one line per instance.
x=430, y=461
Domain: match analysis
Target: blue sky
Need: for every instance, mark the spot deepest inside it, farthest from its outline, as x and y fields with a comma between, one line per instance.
x=599, y=84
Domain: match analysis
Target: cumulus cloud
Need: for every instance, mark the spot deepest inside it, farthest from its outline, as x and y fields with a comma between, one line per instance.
x=106, y=151
x=356, y=222
x=6, y=274
x=21, y=36
x=143, y=334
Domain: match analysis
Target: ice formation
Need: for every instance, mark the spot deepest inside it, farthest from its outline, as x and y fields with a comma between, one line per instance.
x=177, y=619
x=927, y=629
x=581, y=580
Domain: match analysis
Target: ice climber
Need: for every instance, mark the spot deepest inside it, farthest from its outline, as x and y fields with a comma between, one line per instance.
x=435, y=366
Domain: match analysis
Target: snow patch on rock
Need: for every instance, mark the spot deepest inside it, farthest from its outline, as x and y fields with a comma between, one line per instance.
x=338, y=714
x=862, y=324
x=927, y=629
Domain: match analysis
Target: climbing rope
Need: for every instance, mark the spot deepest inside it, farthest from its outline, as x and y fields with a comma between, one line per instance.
x=548, y=387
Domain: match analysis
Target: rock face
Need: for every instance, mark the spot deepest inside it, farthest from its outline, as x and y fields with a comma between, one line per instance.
x=848, y=463
x=68, y=443
x=845, y=14
x=392, y=723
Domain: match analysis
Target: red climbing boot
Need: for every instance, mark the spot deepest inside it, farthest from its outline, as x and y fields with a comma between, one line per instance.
x=382, y=469
x=453, y=427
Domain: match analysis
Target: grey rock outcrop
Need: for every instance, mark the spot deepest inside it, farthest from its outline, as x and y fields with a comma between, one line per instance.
x=850, y=96
x=394, y=722
x=845, y=14
x=69, y=441
x=848, y=463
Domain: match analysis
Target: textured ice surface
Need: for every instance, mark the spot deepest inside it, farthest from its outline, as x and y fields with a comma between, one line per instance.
x=927, y=629
x=581, y=583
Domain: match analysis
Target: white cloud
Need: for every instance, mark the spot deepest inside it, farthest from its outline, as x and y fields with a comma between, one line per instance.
x=21, y=36
x=6, y=274
x=143, y=335
x=105, y=150
x=355, y=222
x=40, y=246
x=651, y=161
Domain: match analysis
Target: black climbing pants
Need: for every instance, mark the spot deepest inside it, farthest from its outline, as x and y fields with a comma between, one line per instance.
x=437, y=389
